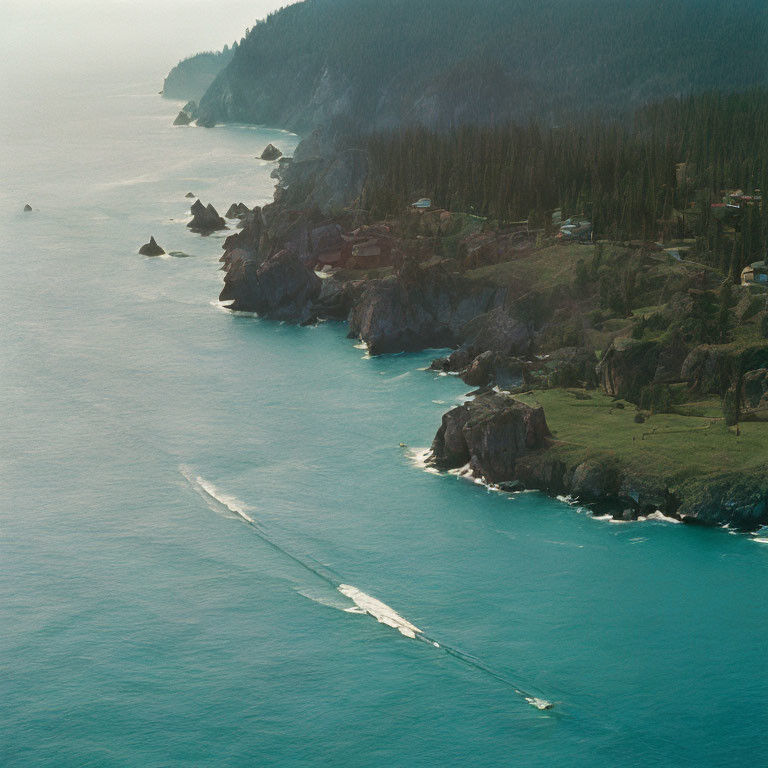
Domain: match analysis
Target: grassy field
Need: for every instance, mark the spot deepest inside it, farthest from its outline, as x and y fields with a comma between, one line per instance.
x=670, y=446
x=542, y=268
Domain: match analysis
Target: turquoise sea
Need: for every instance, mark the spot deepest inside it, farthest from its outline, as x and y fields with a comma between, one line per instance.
x=145, y=622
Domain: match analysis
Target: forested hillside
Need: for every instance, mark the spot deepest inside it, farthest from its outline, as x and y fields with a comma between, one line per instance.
x=654, y=174
x=190, y=78
x=443, y=62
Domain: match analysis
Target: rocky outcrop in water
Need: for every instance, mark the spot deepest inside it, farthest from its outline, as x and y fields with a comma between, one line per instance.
x=490, y=433
x=205, y=219
x=27, y=208
x=271, y=152
x=151, y=248
x=182, y=119
x=279, y=287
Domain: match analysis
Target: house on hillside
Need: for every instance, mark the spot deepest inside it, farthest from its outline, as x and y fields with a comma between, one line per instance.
x=738, y=199
x=755, y=274
x=576, y=229
x=734, y=203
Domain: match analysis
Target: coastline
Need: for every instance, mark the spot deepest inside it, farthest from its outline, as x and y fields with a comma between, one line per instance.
x=297, y=260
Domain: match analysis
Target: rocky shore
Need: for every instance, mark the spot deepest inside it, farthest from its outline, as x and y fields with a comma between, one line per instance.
x=505, y=304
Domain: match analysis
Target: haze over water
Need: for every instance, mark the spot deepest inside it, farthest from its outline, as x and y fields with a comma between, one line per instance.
x=145, y=624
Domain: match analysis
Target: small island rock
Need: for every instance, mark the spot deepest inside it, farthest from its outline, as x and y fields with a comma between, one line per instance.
x=27, y=208
x=205, y=219
x=190, y=194
x=182, y=118
x=271, y=152
x=151, y=248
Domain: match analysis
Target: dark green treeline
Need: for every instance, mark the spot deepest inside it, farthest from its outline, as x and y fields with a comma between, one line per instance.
x=654, y=174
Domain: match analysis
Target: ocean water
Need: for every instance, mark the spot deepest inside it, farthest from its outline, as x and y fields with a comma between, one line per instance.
x=183, y=492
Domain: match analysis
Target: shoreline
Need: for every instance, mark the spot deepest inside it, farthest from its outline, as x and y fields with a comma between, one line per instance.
x=313, y=255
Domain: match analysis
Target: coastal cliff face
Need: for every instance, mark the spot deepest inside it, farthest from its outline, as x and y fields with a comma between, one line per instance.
x=417, y=308
x=508, y=444
x=279, y=287
x=490, y=434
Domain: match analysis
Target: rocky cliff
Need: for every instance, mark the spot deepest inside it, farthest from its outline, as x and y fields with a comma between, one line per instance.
x=490, y=434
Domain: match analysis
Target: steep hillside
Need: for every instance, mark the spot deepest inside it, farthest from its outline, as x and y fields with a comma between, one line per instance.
x=190, y=78
x=442, y=62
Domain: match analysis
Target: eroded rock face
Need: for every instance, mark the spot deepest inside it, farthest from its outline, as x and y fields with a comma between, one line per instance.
x=490, y=434
x=328, y=184
x=754, y=391
x=418, y=308
x=739, y=501
x=337, y=298
x=713, y=369
x=490, y=367
x=342, y=183
x=627, y=366
x=205, y=219
x=151, y=248
x=237, y=211
x=279, y=288
x=491, y=342
x=271, y=152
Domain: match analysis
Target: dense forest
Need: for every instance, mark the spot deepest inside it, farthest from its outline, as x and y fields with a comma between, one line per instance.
x=654, y=174
x=440, y=63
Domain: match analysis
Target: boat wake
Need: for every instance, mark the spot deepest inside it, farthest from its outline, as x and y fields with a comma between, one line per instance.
x=362, y=603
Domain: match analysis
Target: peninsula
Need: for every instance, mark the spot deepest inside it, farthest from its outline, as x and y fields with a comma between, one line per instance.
x=602, y=283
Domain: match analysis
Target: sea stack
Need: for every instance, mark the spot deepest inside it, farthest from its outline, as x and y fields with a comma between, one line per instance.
x=151, y=248
x=205, y=219
x=27, y=208
x=271, y=152
x=187, y=114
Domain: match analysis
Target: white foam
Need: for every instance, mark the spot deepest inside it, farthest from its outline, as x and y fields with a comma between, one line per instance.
x=760, y=540
x=535, y=701
x=466, y=473
x=419, y=458
x=659, y=515
x=380, y=611
x=230, y=502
